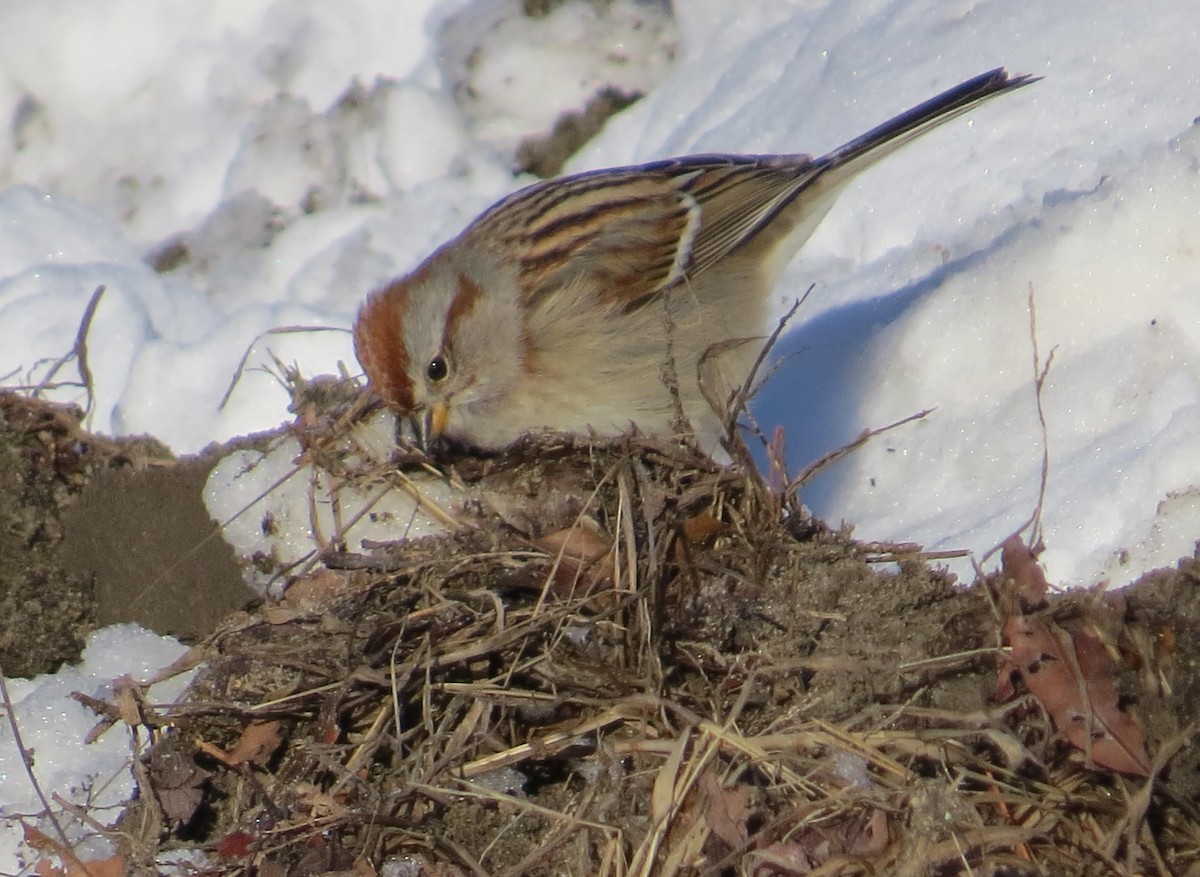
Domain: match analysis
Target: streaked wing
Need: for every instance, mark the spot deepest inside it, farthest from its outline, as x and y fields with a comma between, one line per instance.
x=635, y=231
x=627, y=230
x=738, y=196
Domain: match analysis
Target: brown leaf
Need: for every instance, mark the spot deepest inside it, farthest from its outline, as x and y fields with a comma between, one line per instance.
x=317, y=590
x=187, y=661
x=583, y=556
x=700, y=528
x=259, y=741
x=728, y=810
x=1071, y=676
x=785, y=858
x=328, y=727
x=1019, y=564
x=863, y=835
x=582, y=541
x=113, y=866
x=870, y=837
x=127, y=699
x=68, y=864
x=178, y=783
x=282, y=614
x=235, y=845
x=1122, y=744
x=323, y=855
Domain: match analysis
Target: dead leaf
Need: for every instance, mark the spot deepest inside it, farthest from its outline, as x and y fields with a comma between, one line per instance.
x=583, y=556
x=700, y=528
x=324, y=855
x=1068, y=670
x=259, y=741
x=235, y=845
x=113, y=866
x=1122, y=746
x=728, y=809
x=178, y=783
x=870, y=837
x=190, y=659
x=584, y=541
x=64, y=862
x=283, y=614
x=318, y=589
x=128, y=700
x=862, y=835
x=1071, y=676
x=1019, y=564
x=783, y=859
x=328, y=725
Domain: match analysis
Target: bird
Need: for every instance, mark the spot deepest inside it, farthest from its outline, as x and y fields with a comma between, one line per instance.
x=610, y=299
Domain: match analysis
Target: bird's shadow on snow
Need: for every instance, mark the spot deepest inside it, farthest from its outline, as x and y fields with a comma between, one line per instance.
x=824, y=367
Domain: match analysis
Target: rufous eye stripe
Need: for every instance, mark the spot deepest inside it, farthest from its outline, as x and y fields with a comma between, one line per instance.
x=469, y=292
x=379, y=344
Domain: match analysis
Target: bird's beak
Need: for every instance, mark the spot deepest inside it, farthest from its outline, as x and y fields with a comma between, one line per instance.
x=430, y=423
x=436, y=418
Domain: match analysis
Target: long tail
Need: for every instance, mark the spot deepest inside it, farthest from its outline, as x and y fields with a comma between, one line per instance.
x=846, y=161
x=798, y=206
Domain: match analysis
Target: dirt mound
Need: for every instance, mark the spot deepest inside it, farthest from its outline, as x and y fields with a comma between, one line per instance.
x=678, y=672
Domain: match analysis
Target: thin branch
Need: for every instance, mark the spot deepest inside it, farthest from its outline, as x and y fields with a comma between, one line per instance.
x=669, y=374
x=834, y=456
x=27, y=761
x=78, y=352
x=1041, y=371
x=744, y=392
x=278, y=330
x=729, y=410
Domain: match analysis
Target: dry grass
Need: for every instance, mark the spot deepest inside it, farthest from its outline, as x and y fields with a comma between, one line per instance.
x=678, y=672
x=704, y=682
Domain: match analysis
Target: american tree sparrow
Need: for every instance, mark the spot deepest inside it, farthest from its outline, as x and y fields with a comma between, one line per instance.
x=565, y=305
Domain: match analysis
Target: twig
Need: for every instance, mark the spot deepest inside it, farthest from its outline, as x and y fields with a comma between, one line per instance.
x=78, y=352
x=833, y=456
x=1135, y=812
x=27, y=761
x=742, y=397
x=1040, y=372
x=278, y=330
x=669, y=373
x=730, y=409
x=897, y=556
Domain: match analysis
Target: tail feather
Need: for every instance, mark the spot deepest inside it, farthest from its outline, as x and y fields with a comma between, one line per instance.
x=816, y=183
x=866, y=149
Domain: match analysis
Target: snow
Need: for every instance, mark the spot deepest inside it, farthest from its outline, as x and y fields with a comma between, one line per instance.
x=307, y=507
x=53, y=726
x=300, y=153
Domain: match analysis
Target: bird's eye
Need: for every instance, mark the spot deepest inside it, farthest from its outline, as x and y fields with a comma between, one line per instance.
x=437, y=369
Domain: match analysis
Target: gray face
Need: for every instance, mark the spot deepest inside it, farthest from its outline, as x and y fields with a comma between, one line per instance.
x=463, y=338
